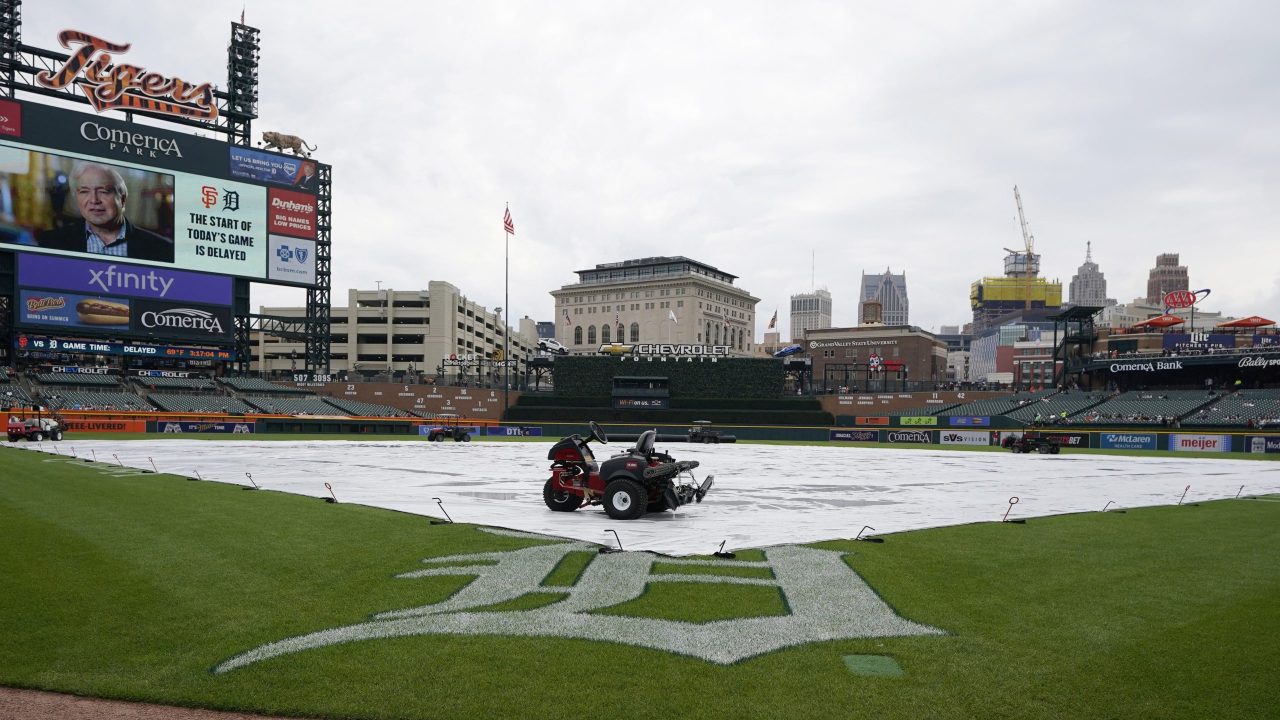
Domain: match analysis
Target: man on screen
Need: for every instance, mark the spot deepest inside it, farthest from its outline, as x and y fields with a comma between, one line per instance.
x=306, y=178
x=101, y=195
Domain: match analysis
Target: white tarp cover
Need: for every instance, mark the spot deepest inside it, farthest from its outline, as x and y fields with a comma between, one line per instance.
x=764, y=495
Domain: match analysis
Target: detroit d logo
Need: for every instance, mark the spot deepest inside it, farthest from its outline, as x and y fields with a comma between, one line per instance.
x=827, y=601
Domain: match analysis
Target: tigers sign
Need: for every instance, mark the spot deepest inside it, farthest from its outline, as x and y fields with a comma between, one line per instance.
x=109, y=85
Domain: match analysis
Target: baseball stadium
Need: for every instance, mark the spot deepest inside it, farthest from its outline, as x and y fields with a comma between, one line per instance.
x=211, y=512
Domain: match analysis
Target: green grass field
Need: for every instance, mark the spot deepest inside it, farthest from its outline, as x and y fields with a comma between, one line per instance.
x=134, y=586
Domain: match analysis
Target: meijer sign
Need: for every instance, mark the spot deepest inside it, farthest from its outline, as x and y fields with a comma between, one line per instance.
x=1202, y=443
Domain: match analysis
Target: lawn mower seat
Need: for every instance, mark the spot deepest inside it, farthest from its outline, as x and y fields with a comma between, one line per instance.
x=644, y=443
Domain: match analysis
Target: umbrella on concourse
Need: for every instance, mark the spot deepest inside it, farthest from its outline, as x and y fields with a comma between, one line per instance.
x=1162, y=321
x=1252, y=321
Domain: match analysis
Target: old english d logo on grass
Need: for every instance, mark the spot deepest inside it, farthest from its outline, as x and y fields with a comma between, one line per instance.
x=827, y=601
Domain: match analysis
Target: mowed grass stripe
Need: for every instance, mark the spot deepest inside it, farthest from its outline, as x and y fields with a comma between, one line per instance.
x=134, y=587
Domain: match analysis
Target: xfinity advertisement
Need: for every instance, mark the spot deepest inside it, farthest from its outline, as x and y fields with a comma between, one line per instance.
x=122, y=280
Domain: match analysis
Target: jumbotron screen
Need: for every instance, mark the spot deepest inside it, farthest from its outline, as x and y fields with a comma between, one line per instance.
x=178, y=201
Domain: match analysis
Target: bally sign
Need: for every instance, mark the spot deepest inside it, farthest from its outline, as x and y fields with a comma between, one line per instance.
x=1258, y=361
x=111, y=85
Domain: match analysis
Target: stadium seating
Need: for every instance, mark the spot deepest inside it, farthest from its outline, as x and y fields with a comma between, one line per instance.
x=86, y=400
x=1143, y=407
x=175, y=402
x=917, y=412
x=14, y=396
x=292, y=405
x=77, y=379
x=259, y=386
x=995, y=406
x=169, y=383
x=1255, y=408
x=4, y=376
x=1054, y=406
x=364, y=409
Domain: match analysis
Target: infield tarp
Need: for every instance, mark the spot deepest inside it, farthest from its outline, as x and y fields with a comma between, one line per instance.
x=764, y=494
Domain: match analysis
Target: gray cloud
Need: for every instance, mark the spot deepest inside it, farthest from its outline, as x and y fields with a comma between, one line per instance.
x=790, y=144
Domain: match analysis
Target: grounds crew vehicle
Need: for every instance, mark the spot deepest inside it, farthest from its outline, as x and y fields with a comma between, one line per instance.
x=628, y=485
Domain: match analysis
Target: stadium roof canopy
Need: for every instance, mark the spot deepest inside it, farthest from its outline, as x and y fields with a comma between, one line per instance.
x=1251, y=321
x=1078, y=313
x=1160, y=321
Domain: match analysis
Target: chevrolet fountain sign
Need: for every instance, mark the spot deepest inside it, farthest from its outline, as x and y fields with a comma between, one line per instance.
x=665, y=350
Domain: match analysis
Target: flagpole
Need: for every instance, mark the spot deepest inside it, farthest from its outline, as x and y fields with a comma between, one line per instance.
x=506, y=325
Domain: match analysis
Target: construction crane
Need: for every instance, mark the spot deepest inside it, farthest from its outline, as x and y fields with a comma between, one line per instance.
x=1024, y=264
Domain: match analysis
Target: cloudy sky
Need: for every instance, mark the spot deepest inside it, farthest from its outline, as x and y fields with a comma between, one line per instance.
x=793, y=144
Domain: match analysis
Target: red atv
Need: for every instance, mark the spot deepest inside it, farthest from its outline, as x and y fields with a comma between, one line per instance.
x=637, y=481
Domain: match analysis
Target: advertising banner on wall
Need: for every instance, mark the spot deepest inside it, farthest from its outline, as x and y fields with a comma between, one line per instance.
x=919, y=437
x=122, y=280
x=870, y=420
x=1175, y=341
x=917, y=420
x=1127, y=441
x=967, y=421
x=855, y=435
x=964, y=437
x=1262, y=444
x=1070, y=439
x=509, y=431
x=225, y=428
x=100, y=426
x=1200, y=443
x=629, y=403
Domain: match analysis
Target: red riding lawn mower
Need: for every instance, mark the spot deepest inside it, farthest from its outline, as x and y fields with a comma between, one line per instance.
x=630, y=484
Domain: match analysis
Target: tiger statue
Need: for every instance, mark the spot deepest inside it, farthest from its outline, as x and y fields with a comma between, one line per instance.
x=272, y=140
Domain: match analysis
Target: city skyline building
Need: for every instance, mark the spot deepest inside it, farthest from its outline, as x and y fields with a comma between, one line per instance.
x=890, y=290
x=1089, y=284
x=1166, y=276
x=655, y=300
x=810, y=311
x=386, y=331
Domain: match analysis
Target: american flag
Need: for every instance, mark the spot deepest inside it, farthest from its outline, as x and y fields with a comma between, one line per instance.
x=774, y=322
x=566, y=316
x=508, y=223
